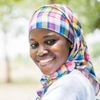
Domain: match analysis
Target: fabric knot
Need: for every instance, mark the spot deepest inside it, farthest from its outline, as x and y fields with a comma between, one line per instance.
x=46, y=81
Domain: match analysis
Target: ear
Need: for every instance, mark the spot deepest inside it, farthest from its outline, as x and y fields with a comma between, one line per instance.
x=69, y=43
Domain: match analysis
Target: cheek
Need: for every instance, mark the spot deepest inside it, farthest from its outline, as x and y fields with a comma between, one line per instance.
x=61, y=50
x=32, y=54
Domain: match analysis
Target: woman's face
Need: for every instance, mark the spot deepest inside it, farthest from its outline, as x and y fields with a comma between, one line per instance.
x=48, y=49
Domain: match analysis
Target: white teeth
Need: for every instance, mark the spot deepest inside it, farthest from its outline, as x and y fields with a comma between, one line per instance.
x=46, y=60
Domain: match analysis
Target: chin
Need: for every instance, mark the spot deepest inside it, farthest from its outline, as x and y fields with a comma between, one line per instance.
x=48, y=72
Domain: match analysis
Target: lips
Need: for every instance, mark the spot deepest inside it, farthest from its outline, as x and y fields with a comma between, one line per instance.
x=45, y=61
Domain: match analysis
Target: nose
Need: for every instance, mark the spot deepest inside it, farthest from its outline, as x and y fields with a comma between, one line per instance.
x=42, y=51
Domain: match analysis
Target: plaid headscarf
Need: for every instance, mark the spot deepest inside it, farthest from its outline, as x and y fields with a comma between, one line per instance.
x=60, y=19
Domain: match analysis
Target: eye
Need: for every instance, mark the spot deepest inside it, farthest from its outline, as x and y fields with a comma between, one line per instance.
x=34, y=45
x=50, y=42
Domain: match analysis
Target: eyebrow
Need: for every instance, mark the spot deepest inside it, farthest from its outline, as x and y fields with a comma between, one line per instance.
x=31, y=39
x=47, y=36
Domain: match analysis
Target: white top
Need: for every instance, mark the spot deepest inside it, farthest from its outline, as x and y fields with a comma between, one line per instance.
x=73, y=86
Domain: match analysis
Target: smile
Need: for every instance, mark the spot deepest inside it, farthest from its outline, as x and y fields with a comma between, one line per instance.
x=45, y=61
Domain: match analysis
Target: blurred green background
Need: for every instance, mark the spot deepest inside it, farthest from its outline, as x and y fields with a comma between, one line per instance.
x=19, y=76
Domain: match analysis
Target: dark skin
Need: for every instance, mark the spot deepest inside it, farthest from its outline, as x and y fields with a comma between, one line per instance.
x=48, y=49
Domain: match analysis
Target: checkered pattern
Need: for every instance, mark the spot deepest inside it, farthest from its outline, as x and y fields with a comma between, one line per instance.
x=60, y=19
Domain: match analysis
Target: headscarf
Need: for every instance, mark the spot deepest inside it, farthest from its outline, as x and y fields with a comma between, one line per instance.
x=60, y=18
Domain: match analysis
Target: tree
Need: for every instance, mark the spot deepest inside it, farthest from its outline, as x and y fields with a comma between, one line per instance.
x=4, y=27
x=52, y=1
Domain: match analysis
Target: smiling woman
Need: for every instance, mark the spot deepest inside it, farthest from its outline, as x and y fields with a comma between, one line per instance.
x=59, y=49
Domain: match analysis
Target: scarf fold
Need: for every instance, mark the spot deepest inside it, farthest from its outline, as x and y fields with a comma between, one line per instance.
x=60, y=18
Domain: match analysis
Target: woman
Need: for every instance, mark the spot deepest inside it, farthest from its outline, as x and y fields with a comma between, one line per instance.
x=58, y=48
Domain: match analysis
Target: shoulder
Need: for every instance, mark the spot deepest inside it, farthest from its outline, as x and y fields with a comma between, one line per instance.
x=73, y=86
